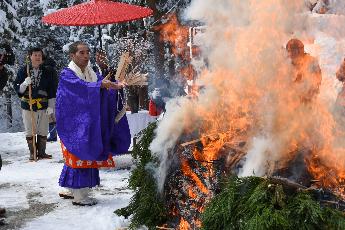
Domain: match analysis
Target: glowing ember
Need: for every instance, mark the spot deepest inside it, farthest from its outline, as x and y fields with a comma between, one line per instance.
x=184, y=225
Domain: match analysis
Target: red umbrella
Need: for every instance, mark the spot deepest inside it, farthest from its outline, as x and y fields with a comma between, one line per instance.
x=97, y=12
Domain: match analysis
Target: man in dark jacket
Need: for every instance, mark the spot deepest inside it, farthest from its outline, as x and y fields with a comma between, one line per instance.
x=6, y=57
x=3, y=77
x=41, y=80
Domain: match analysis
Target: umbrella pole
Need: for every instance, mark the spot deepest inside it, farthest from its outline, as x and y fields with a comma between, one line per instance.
x=100, y=36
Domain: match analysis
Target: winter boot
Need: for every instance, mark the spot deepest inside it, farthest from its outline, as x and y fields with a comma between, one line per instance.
x=2, y=222
x=2, y=215
x=82, y=197
x=52, y=132
x=41, y=148
x=2, y=212
x=30, y=142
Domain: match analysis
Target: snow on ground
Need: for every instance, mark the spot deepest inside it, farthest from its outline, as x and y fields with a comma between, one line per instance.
x=29, y=191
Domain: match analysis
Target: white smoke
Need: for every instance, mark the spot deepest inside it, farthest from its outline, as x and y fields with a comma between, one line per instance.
x=167, y=133
x=256, y=157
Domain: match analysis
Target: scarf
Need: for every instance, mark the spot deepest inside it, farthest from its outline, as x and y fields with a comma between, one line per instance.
x=88, y=75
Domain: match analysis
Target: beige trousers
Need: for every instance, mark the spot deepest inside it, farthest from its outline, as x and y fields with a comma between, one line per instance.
x=40, y=121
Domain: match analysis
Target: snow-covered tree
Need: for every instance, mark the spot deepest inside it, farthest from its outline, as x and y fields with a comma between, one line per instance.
x=36, y=33
x=10, y=29
x=9, y=24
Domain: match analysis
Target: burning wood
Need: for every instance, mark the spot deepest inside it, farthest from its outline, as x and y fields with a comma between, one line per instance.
x=195, y=178
x=164, y=228
x=209, y=136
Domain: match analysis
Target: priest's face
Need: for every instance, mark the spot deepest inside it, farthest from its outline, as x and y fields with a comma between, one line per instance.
x=82, y=57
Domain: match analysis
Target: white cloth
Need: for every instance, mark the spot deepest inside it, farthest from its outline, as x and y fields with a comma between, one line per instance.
x=22, y=87
x=138, y=121
x=82, y=196
x=88, y=75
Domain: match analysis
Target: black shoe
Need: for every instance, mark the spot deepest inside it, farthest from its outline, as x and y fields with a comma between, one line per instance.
x=45, y=156
x=2, y=222
x=89, y=203
x=65, y=195
x=2, y=212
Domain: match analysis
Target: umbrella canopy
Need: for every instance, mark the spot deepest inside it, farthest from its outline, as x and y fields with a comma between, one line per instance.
x=96, y=12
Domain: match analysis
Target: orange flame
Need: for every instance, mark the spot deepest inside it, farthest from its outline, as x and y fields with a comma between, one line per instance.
x=184, y=225
x=176, y=34
x=189, y=173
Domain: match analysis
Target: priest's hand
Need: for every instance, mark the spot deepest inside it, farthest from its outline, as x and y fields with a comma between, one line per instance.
x=107, y=84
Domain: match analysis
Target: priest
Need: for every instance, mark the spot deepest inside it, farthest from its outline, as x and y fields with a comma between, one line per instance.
x=90, y=123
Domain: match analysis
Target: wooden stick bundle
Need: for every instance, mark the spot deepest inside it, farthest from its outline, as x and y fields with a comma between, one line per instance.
x=122, y=67
x=133, y=78
x=136, y=79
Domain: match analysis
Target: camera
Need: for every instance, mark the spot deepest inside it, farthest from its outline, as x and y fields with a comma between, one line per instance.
x=6, y=55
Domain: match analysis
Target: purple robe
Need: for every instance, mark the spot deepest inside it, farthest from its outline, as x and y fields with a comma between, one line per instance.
x=85, y=117
x=85, y=122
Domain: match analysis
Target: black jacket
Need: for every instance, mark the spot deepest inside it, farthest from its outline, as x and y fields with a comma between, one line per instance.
x=3, y=78
x=43, y=86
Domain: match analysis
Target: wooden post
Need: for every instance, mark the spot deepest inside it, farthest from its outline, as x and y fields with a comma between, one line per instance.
x=33, y=125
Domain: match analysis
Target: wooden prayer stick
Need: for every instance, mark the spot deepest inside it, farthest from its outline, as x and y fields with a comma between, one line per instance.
x=33, y=126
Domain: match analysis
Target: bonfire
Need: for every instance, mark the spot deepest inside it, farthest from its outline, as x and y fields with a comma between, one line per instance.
x=249, y=118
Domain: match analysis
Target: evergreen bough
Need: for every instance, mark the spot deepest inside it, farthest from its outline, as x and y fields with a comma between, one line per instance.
x=254, y=203
x=146, y=206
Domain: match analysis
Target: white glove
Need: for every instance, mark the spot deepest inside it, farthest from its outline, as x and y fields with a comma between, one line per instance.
x=24, y=85
x=49, y=111
x=27, y=81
